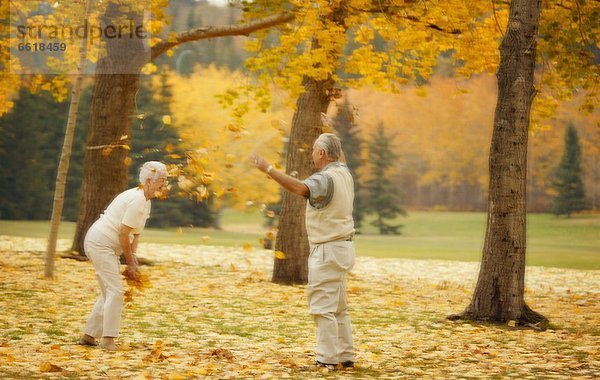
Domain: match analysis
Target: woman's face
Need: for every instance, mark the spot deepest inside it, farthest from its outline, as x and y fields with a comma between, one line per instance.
x=158, y=188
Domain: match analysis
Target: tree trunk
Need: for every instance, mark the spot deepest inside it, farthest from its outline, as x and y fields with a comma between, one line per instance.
x=291, y=237
x=499, y=294
x=65, y=155
x=109, y=131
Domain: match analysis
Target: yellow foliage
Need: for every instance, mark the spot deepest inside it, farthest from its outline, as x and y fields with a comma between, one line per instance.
x=218, y=148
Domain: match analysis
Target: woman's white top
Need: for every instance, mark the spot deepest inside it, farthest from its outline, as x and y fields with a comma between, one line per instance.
x=130, y=208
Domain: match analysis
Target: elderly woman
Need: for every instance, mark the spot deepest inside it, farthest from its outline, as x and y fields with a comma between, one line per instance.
x=116, y=232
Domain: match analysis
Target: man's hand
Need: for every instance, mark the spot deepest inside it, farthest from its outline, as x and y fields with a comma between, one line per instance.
x=258, y=161
x=325, y=120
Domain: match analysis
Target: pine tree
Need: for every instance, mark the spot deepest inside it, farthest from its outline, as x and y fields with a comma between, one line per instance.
x=384, y=196
x=30, y=142
x=348, y=132
x=567, y=179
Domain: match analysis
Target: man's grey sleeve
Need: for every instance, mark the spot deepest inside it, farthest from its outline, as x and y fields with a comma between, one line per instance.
x=320, y=186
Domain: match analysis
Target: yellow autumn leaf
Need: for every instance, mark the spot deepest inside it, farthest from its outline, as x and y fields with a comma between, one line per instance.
x=279, y=255
x=207, y=178
x=234, y=128
x=49, y=367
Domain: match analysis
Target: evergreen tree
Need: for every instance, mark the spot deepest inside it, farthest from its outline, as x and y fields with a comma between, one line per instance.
x=156, y=139
x=567, y=179
x=348, y=132
x=384, y=197
x=31, y=138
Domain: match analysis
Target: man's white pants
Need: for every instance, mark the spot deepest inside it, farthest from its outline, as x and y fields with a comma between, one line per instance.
x=105, y=318
x=328, y=264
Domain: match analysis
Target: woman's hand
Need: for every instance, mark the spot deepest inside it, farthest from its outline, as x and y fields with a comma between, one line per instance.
x=131, y=272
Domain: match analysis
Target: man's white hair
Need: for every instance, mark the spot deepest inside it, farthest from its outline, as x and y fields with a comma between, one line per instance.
x=331, y=144
x=152, y=170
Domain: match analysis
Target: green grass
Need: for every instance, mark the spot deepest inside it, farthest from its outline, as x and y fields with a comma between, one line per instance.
x=552, y=241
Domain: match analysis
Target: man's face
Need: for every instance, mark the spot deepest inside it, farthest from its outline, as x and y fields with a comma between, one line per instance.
x=318, y=156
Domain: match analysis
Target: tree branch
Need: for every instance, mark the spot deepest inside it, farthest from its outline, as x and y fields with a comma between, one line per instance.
x=389, y=11
x=206, y=32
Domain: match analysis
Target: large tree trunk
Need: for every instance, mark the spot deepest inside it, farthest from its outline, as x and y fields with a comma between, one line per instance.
x=499, y=294
x=306, y=127
x=291, y=237
x=109, y=131
x=104, y=166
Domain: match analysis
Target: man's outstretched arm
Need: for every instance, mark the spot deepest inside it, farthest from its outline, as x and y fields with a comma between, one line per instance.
x=288, y=182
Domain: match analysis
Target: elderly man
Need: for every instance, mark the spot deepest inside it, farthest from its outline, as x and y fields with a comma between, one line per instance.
x=115, y=233
x=330, y=228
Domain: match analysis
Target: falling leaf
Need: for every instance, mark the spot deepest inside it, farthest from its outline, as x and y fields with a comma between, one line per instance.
x=279, y=255
x=248, y=247
x=234, y=128
x=270, y=214
x=207, y=178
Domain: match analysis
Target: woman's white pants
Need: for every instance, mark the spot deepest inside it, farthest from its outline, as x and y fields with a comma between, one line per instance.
x=105, y=319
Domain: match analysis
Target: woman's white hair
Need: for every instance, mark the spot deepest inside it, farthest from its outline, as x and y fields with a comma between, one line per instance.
x=331, y=144
x=152, y=170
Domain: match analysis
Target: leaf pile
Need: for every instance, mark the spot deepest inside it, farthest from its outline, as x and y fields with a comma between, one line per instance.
x=201, y=318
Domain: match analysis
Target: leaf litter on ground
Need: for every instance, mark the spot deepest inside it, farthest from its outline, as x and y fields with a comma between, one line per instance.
x=201, y=318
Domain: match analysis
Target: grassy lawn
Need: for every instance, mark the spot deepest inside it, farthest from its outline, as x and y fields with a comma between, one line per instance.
x=552, y=241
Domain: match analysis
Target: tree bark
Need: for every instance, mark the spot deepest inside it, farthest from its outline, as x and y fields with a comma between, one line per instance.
x=109, y=131
x=291, y=237
x=499, y=293
x=105, y=168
